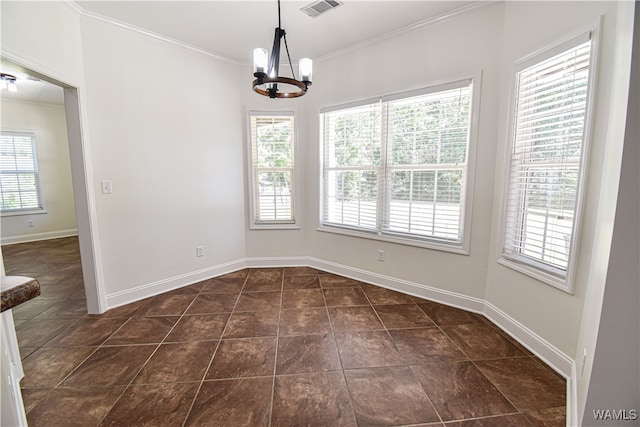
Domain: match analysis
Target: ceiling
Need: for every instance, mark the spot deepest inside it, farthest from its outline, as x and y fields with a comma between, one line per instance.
x=232, y=29
x=30, y=88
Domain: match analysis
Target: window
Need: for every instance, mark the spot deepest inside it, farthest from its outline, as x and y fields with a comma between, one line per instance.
x=272, y=169
x=547, y=161
x=396, y=168
x=19, y=184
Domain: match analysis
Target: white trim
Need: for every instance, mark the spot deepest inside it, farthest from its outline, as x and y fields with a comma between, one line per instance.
x=408, y=29
x=149, y=33
x=551, y=355
x=24, y=212
x=472, y=79
x=542, y=274
x=552, y=50
x=42, y=199
x=572, y=397
x=373, y=235
x=453, y=299
x=539, y=274
x=265, y=262
x=274, y=226
x=349, y=105
x=38, y=103
x=392, y=34
x=449, y=85
x=141, y=292
x=295, y=200
x=24, y=238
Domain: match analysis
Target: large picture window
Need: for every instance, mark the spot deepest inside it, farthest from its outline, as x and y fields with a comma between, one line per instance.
x=19, y=181
x=272, y=168
x=547, y=160
x=396, y=168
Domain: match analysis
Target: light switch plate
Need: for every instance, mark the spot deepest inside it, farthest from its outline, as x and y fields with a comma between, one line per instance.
x=105, y=184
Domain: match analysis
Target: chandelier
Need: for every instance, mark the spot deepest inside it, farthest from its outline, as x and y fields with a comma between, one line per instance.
x=7, y=81
x=265, y=70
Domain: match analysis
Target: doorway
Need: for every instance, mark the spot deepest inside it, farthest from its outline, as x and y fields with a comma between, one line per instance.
x=79, y=160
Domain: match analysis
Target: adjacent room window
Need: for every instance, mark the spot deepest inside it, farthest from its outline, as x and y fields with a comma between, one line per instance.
x=547, y=161
x=19, y=183
x=272, y=169
x=396, y=168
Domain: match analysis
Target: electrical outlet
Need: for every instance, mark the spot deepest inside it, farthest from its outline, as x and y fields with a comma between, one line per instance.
x=199, y=251
x=29, y=223
x=380, y=255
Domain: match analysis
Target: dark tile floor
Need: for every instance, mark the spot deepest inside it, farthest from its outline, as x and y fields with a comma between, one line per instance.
x=267, y=347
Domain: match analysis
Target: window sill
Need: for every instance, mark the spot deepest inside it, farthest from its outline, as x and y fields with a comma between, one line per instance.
x=535, y=273
x=24, y=212
x=456, y=249
x=274, y=227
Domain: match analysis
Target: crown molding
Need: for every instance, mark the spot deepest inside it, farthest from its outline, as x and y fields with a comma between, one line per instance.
x=392, y=34
x=408, y=29
x=148, y=33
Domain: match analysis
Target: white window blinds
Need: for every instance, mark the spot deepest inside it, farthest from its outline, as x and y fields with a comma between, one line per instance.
x=427, y=141
x=398, y=167
x=352, y=150
x=546, y=158
x=19, y=185
x=272, y=163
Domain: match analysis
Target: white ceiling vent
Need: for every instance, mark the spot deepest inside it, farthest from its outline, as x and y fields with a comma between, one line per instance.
x=317, y=8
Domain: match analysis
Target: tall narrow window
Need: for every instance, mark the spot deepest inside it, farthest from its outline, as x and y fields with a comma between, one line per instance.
x=397, y=167
x=272, y=168
x=19, y=184
x=547, y=159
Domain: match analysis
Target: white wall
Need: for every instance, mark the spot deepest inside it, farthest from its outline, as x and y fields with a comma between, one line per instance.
x=44, y=36
x=408, y=61
x=48, y=124
x=171, y=147
x=166, y=128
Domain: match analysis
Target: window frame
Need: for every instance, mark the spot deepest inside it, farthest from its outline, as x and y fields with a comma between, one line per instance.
x=527, y=265
x=379, y=233
x=271, y=225
x=42, y=209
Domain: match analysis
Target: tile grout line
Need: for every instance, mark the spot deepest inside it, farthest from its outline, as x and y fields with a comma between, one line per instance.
x=335, y=343
x=275, y=357
x=201, y=382
x=473, y=362
x=150, y=356
x=400, y=354
x=215, y=351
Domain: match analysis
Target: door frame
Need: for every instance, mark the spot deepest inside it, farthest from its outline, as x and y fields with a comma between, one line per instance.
x=82, y=177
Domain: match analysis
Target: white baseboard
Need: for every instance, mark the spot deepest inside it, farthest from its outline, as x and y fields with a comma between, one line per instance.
x=138, y=293
x=553, y=357
x=24, y=238
x=266, y=262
